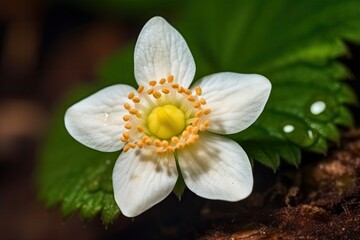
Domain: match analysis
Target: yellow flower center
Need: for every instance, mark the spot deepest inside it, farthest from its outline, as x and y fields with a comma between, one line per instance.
x=164, y=117
x=166, y=121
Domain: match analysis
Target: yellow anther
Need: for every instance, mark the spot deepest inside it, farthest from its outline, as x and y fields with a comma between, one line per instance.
x=202, y=101
x=187, y=91
x=156, y=94
x=159, y=151
x=140, y=128
x=189, y=128
x=152, y=83
x=170, y=78
x=164, y=143
x=191, y=98
x=165, y=90
x=180, y=89
x=126, y=135
x=136, y=100
x=138, y=115
x=123, y=139
x=126, y=148
x=202, y=127
x=127, y=125
x=150, y=91
x=133, y=111
x=207, y=111
x=148, y=141
x=198, y=113
x=196, y=105
x=166, y=121
x=140, y=144
x=194, y=138
x=174, y=85
x=162, y=81
x=175, y=140
x=206, y=123
x=127, y=106
x=170, y=149
x=157, y=143
x=132, y=145
x=180, y=145
x=198, y=90
x=126, y=118
x=185, y=134
x=196, y=121
x=140, y=89
x=194, y=130
x=131, y=95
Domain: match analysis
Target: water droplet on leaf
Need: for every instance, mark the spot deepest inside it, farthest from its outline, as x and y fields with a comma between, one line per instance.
x=322, y=108
x=299, y=133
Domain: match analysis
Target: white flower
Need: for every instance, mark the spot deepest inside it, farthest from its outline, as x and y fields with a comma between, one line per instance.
x=164, y=127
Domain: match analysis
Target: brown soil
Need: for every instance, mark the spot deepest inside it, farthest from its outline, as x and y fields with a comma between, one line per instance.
x=318, y=201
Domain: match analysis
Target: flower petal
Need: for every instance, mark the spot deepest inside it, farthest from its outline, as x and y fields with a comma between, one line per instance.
x=96, y=121
x=236, y=100
x=141, y=179
x=216, y=168
x=161, y=51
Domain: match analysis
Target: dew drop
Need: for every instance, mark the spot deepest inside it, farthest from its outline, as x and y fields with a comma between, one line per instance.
x=299, y=133
x=321, y=108
x=317, y=107
x=288, y=128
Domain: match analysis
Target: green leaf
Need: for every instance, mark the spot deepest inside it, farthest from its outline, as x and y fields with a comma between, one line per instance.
x=294, y=43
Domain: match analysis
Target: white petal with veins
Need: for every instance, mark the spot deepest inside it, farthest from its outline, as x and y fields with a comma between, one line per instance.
x=216, y=168
x=141, y=179
x=236, y=100
x=96, y=121
x=161, y=51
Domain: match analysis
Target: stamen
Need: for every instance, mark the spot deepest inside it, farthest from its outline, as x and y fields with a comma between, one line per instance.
x=175, y=85
x=187, y=91
x=152, y=83
x=165, y=90
x=156, y=94
x=140, y=144
x=165, y=143
x=198, y=90
x=133, y=111
x=196, y=105
x=198, y=113
x=127, y=125
x=123, y=139
x=140, y=89
x=170, y=149
x=138, y=115
x=202, y=101
x=126, y=148
x=191, y=98
x=207, y=111
x=127, y=106
x=140, y=128
x=170, y=78
x=175, y=140
x=157, y=143
x=131, y=95
x=150, y=91
x=132, y=145
x=162, y=81
x=136, y=100
x=126, y=135
x=126, y=118
x=196, y=121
